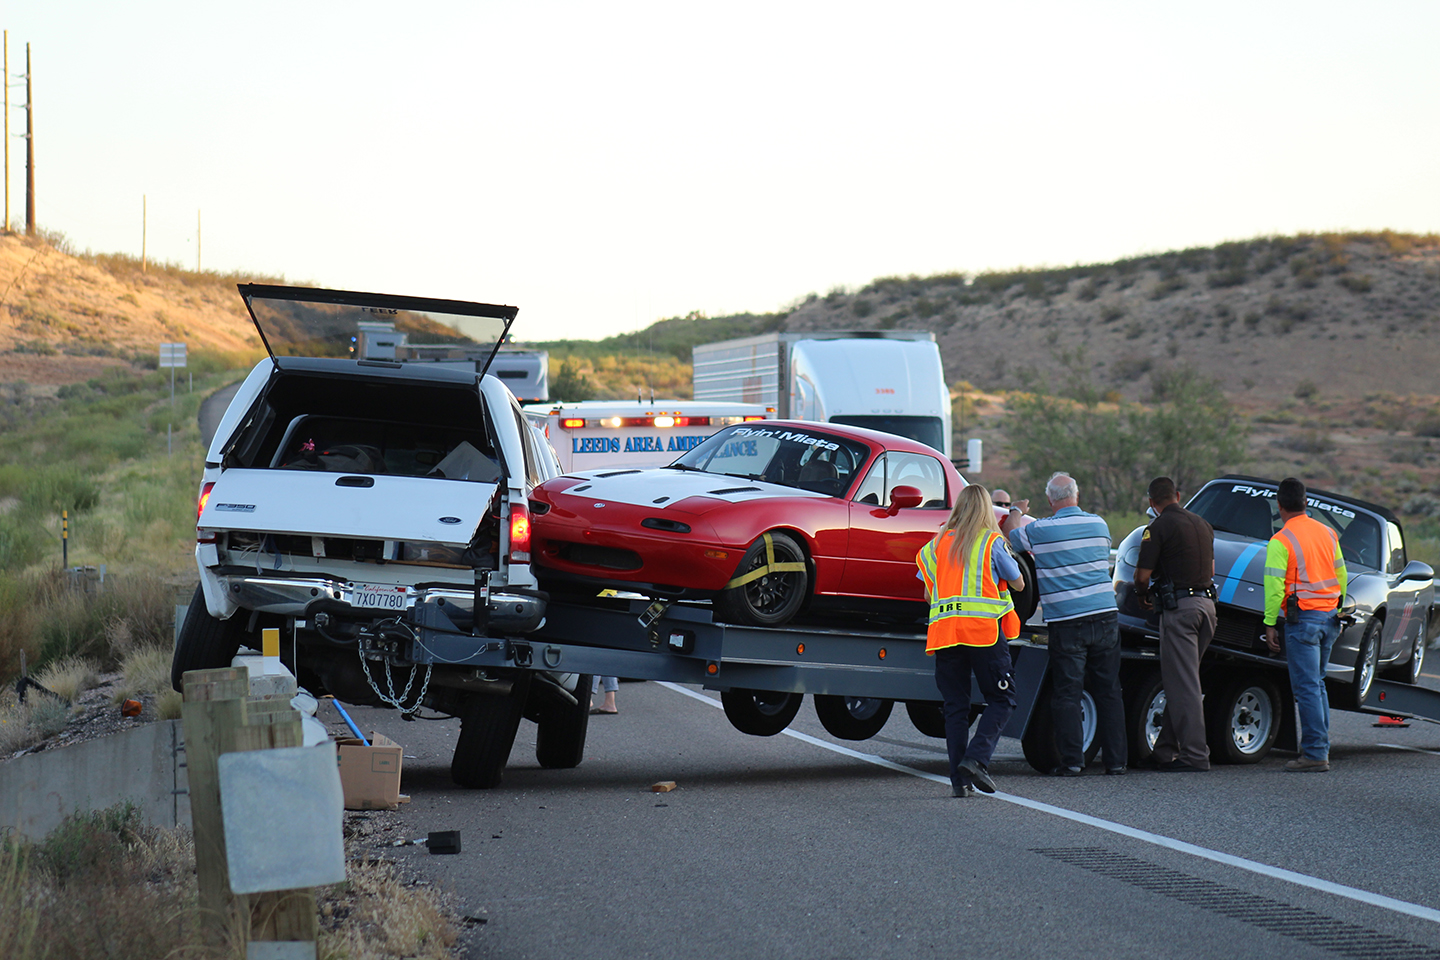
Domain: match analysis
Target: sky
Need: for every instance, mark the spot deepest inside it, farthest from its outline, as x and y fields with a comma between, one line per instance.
x=605, y=165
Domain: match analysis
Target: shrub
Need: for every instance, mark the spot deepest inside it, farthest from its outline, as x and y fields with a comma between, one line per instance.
x=68, y=678
x=1111, y=312
x=1357, y=282
x=1306, y=390
x=1167, y=286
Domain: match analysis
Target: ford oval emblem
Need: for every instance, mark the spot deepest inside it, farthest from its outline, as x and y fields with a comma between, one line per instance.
x=449, y=519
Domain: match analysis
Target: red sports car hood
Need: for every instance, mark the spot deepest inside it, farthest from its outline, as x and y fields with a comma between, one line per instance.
x=665, y=489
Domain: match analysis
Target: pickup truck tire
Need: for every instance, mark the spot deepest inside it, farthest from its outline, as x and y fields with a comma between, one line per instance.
x=488, y=725
x=561, y=729
x=1028, y=599
x=760, y=713
x=1039, y=739
x=204, y=642
x=771, y=599
x=928, y=716
x=1366, y=660
x=1242, y=719
x=1409, y=671
x=1144, y=710
x=852, y=718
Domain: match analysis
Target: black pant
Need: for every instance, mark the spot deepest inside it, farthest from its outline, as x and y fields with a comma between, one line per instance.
x=1085, y=654
x=991, y=666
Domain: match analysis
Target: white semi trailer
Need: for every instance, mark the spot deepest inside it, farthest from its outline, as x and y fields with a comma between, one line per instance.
x=890, y=380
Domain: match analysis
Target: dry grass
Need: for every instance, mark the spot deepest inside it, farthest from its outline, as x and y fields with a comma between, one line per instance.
x=68, y=677
x=25, y=724
x=103, y=885
x=144, y=674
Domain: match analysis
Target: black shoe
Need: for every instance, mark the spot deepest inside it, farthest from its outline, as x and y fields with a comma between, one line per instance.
x=963, y=791
x=1068, y=772
x=979, y=774
x=1179, y=766
x=1114, y=771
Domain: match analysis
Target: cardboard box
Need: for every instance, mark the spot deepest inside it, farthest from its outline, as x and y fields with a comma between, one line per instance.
x=370, y=776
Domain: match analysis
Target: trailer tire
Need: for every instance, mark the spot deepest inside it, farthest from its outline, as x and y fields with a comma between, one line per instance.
x=1242, y=719
x=562, y=727
x=204, y=643
x=1144, y=710
x=772, y=599
x=852, y=718
x=928, y=716
x=488, y=725
x=1039, y=739
x=760, y=713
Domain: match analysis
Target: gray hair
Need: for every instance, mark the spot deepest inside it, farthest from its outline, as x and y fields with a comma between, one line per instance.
x=1061, y=486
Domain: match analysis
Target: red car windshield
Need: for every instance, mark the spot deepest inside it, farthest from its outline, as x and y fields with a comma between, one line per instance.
x=807, y=459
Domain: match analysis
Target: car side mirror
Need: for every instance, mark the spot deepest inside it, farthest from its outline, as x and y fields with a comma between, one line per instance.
x=1415, y=570
x=902, y=498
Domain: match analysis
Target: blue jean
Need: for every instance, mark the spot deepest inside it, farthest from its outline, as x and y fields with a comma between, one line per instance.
x=611, y=684
x=1085, y=655
x=1307, y=650
x=991, y=666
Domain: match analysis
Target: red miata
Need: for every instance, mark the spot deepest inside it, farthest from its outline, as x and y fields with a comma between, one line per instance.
x=767, y=519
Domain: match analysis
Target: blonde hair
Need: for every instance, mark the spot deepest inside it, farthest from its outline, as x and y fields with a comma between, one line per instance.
x=973, y=516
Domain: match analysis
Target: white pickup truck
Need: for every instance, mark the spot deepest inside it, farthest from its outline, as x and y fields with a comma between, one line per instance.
x=351, y=502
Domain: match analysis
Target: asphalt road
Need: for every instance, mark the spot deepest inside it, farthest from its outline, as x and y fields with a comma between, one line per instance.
x=800, y=847
x=212, y=409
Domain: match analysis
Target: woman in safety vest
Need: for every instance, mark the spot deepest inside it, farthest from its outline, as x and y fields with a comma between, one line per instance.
x=966, y=570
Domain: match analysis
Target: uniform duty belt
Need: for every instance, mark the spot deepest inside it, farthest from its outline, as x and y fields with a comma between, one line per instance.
x=1196, y=592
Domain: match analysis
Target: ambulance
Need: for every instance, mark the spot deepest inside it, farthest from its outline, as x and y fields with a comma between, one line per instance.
x=592, y=434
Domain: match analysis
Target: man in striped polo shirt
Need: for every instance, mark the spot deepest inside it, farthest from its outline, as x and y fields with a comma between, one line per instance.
x=1071, y=550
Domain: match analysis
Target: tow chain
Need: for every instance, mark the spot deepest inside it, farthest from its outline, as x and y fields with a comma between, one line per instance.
x=398, y=702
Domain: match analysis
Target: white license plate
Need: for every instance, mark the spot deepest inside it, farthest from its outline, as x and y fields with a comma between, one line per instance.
x=379, y=596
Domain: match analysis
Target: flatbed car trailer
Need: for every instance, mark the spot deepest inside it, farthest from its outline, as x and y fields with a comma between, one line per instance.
x=855, y=675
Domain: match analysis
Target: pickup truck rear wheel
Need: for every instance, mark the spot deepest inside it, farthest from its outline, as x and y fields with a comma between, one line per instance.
x=852, y=718
x=928, y=716
x=561, y=728
x=1242, y=719
x=764, y=596
x=1144, y=713
x=204, y=642
x=760, y=713
x=488, y=725
x=1039, y=739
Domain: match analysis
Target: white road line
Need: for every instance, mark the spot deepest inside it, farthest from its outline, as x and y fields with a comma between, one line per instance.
x=1145, y=836
x=1396, y=746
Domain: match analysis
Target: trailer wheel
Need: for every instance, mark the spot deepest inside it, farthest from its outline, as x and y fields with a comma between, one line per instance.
x=1365, y=661
x=204, y=642
x=852, y=718
x=1039, y=739
x=772, y=598
x=1144, y=713
x=1242, y=719
x=928, y=716
x=1409, y=672
x=488, y=725
x=760, y=713
x=561, y=728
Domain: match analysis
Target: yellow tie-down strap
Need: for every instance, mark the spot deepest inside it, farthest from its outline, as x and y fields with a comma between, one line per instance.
x=770, y=566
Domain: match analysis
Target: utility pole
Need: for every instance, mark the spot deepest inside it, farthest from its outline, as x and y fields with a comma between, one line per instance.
x=29, y=147
x=6, y=75
x=197, y=241
x=144, y=226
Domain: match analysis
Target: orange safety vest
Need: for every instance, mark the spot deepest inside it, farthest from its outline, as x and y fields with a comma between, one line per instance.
x=1315, y=563
x=965, y=600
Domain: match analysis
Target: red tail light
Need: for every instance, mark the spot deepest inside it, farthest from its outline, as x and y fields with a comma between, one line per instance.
x=519, y=533
x=200, y=508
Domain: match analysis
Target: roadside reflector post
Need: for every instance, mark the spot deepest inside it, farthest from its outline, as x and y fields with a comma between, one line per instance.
x=64, y=538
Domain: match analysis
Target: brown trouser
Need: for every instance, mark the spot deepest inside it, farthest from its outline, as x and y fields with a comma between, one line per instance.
x=1185, y=634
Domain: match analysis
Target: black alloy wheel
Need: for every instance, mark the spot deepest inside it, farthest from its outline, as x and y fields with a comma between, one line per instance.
x=764, y=596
